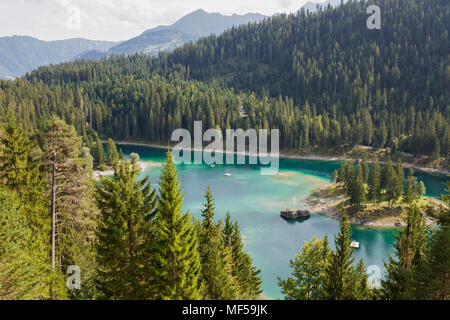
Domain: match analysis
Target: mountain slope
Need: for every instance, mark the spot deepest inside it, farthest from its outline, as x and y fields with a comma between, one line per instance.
x=189, y=28
x=332, y=58
x=20, y=54
x=325, y=80
x=201, y=23
x=153, y=41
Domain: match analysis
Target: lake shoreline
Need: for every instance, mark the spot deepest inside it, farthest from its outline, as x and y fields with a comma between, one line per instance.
x=316, y=204
x=284, y=155
x=97, y=174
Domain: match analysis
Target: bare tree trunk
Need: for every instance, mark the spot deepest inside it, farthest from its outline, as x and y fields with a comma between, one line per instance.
x=53, y=206
x=53, y=213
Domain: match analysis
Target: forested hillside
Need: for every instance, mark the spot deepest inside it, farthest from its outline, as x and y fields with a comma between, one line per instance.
x=324, y=79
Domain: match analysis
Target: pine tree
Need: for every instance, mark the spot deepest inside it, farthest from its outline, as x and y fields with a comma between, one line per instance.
x=433, y=272
x=339, y=272
x=246, y=275
x=409, y=250
x=400, y=180
x=208, y=213
x=374, y=182
x=349, y=174
x=436, y=146
x=216, y=263
x=125, y=235
x=227, y=231
x=71, y=193
x=113, y=156
x=410, y=187
x=22, y=268
x=391, y=181
x=421, y=189
x=98, y=152
x=365, y=169
x=308, y=272
x=20, y=160
x=177, y=255
x=360, y=286
x=357, y=191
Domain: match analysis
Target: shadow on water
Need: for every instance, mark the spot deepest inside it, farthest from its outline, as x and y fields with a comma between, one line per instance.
x=295, y=221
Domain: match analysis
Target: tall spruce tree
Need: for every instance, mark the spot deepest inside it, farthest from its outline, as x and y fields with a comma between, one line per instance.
x=20, y=160
x=227, y=231
x=98, y=152
x=391, y=182
x=410, y=187
x=357, y=190
x=126, y=235
x=112, y=156
x=374, y=182
x=409, y=248
x=339, y=272
x=246, y=275
x=23, y=271
x=71, y=189
x=432, y=274
x=178, y=258
x=360, y=285
x=216, y=262
x=365, y=169
x=400, y=180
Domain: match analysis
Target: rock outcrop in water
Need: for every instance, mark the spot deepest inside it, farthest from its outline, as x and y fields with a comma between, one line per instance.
x=295, y=214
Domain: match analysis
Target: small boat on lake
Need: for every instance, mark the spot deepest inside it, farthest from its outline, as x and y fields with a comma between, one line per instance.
x=228, y=174
x=354, y=244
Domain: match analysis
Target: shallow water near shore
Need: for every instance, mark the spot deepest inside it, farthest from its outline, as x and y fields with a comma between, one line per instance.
x=256, y=200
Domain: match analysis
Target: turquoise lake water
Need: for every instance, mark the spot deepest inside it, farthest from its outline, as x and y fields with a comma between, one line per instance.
x=256, y=200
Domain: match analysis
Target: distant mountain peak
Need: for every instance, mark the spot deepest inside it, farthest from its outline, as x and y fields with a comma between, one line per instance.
x=36, y=52
x=192, y=26
x=198, y=11
x=20, y=54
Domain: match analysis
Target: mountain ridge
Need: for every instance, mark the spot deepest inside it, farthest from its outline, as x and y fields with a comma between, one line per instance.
x=190, y=27
x=20, y=54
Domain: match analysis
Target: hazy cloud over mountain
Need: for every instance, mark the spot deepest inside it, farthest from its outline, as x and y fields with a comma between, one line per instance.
x=116, y=19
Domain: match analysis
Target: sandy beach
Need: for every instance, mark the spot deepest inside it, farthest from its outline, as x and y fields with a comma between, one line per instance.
x=143, y=166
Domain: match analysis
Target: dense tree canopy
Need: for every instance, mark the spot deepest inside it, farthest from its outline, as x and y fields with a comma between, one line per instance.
x=323, y=79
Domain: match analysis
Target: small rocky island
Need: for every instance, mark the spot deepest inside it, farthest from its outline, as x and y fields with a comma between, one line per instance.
x=295, y=214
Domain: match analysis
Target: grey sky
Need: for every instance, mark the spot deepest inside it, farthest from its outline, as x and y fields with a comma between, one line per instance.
x=116, y=19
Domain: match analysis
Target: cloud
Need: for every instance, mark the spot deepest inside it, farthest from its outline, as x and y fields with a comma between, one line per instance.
x=116, y=19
